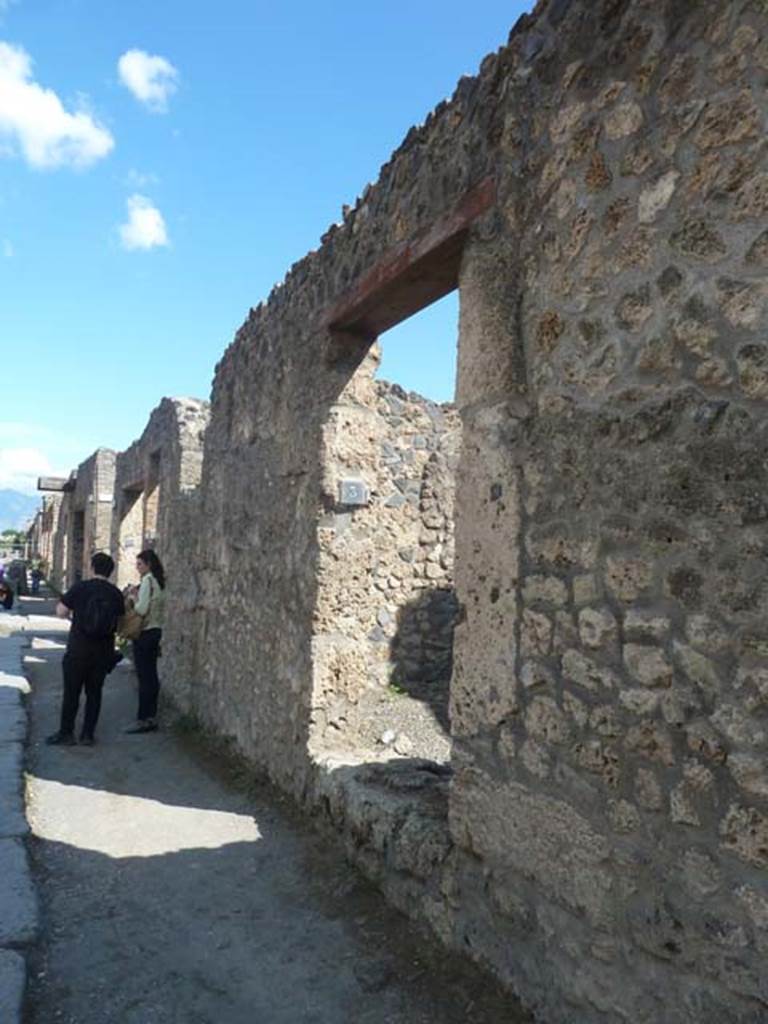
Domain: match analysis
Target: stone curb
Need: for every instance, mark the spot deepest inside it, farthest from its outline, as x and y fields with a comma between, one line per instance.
x=18, y=901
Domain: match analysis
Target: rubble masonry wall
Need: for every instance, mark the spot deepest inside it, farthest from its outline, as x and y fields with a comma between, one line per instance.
x=607, y=840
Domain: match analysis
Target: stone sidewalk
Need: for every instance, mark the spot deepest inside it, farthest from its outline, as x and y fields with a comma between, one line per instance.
x=18, y=903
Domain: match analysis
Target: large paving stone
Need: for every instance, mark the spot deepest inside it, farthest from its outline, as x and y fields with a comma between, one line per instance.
x=10, y=654
x=13, y=821
x=12, y=981
x=18, y=903
x=13, y=716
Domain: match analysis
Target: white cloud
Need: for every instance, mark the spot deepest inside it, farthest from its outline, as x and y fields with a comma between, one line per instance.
x=29, y=450
x=8, y=250
x=145, y=228
x=20, y=468
x=151, y=79
x=33, y=120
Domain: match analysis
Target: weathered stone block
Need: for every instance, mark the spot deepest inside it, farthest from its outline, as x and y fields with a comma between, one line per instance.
x=648, y=665
x=731, y=120
x=584, y=589
x=744, y=831
x=599, y=759
x=640, y=701
x=536, y=633
x=698, y=239
x=741, y=728
x=539, y=837
x=650, y=740
x=639, y=625
x=628, y=578
x=545, y=721
x=582, y=670
x=698, y=669
x=705, y=741
x=700, y=874
x=624, y=818
x=750, y=773
x=534, y=674
x=625, y=119
x=598, y=628
x=657, y=197
x=648, y=790
x=545, y=590
x=536, y=759
x=752, y=365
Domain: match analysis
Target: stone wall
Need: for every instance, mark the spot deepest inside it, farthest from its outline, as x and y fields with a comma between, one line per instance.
x=43, y=531
x=84, y=521
x=598, y=194
x=49, y=521
x=151, y=475
x=57, y=575
x=609, y=802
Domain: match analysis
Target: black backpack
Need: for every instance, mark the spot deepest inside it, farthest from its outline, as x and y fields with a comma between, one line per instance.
x=98, y=619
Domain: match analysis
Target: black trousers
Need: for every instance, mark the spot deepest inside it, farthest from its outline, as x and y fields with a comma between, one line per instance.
x=146, y=651
x=82, y=672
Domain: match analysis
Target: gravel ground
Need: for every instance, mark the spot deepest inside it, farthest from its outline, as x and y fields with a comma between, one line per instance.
x=170, y=896
x=392, y=722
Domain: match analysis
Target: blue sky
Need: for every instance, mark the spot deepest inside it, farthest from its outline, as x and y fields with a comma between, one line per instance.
x=161, y=167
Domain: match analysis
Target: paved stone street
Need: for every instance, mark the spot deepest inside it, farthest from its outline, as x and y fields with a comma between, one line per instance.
x=170, y=894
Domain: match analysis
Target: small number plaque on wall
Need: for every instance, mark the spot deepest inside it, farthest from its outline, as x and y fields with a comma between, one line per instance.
x=353, y=492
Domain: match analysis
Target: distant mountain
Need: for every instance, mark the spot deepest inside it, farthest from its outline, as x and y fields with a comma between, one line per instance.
x=16, y=509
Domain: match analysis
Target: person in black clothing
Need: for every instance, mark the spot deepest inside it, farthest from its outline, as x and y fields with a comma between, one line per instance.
x=94, y=606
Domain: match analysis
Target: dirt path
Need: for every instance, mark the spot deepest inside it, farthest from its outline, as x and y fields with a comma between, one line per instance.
x=170, y=897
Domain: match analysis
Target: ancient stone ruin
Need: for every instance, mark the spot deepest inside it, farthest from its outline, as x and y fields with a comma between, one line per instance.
x=40, y=538
x=83, y=522
x=152, y=478
x=599, y=838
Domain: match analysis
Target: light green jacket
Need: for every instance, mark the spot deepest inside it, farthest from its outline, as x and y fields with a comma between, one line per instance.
x=151, y=602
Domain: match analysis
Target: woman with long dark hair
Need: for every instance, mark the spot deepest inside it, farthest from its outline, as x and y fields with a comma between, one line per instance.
x=150, y=604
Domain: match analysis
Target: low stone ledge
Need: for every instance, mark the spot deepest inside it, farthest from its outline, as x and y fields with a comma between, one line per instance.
x=392, y=817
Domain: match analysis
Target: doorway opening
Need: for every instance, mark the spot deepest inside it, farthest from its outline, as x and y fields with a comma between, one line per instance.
x=78, y=545
x=386, y=607
x=151, y=502
x=399, y=431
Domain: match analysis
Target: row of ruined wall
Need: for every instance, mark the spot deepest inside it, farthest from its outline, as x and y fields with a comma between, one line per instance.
x=122, y=502
x=599, y=196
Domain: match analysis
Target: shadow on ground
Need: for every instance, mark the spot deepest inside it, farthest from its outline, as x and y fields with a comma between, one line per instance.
x=171, y=896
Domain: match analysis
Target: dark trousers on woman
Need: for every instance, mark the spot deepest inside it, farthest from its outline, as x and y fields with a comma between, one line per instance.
x=82, y=672
x=146, y=650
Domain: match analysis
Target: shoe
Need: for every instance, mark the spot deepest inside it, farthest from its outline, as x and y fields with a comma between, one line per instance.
x=63, y=739
x=88, y=741
x=143, y=725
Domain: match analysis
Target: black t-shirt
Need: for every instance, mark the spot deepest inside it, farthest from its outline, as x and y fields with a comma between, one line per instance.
x=76, y=598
